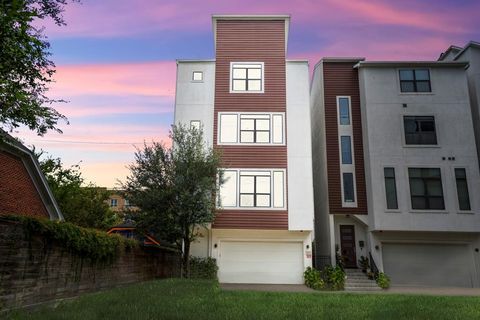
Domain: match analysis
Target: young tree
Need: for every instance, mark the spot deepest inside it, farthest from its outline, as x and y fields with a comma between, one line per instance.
x=175, y=188
x=85, y=206
x=25, y=68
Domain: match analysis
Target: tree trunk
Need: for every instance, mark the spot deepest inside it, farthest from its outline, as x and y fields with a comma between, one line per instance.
x=186, y=258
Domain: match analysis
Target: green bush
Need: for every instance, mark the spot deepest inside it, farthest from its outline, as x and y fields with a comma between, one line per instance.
x=203, y=268
x=88, y=243
x=330, y=278
x=383, y=280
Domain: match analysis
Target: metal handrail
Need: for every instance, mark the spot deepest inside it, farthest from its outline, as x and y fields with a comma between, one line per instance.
x=373, y=266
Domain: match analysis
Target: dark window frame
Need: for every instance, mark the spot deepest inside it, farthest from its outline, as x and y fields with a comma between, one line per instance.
x=350, y=154
x=414, y=81
x=426, y=196
x=255, y=130
x=392, y=179
x=419, y=120
x=344, y=189
x=197, y=72
x=246, y=79
x=255, y=193
x=463, y=179
x=339, y=98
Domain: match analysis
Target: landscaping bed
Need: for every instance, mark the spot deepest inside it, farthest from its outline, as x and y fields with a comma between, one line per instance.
x=203, y=299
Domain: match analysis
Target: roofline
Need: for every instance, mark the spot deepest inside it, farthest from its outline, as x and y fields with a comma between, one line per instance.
x=452, y=47
x=194, y=60
x=444, y=64
x=297, y=60
x=338, y=60
x=215, y=17
x=54, y=212
x=468, y=45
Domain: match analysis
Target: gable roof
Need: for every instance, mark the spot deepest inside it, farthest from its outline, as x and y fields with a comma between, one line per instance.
x=13, y=146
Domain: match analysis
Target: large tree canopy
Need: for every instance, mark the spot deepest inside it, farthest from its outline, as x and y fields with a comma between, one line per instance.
x=175, y=187
x=25, y=68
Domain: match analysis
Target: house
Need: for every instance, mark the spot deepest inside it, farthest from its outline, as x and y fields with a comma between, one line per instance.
x=128, y=230
x=253, y=105
x=118, y=202
x=23, y=188
x=396, y=169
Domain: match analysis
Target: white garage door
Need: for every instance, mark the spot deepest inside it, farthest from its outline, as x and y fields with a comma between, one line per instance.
x=261, y=262
x=441, y=265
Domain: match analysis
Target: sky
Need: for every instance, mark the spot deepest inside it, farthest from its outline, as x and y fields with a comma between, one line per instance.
x=116, y=60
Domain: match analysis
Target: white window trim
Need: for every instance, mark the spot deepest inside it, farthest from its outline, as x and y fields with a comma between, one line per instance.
x=346, y=130
x=271, y=114
x=271, y=208
x=193, y=75
x=246, y=63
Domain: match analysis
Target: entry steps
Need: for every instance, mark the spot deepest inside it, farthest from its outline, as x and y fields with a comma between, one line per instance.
x=358, y=281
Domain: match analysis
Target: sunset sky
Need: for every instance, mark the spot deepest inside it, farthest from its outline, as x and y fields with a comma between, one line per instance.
x=116, y=60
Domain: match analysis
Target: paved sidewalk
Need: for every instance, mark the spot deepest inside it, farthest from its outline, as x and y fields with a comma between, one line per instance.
x=436, y=291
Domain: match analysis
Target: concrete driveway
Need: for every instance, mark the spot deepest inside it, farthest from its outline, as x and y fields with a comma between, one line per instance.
x=435, y=291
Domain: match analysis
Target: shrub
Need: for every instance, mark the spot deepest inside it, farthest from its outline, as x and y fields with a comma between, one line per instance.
x=313, y=279
x=203, y=268
x=88, y=243
x=383, y=280
x=330, y=278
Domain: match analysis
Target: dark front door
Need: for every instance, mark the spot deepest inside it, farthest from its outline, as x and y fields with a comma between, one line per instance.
x=347, y=244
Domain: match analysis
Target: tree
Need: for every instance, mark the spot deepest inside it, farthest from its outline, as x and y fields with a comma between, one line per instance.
x=175, y=188
x=85, y=206
x=25, y=68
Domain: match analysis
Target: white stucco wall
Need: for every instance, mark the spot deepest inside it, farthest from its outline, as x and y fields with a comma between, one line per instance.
x=382, y=117
x=194, y=100
x=299, y=148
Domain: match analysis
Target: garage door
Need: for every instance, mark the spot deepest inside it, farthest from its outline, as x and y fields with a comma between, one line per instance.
x=441, y=265
x=261, y=262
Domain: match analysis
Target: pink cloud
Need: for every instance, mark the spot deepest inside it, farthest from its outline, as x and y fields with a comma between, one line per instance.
x=71, y=110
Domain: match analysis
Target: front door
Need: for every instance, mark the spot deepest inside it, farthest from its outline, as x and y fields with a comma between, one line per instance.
x=347, y=243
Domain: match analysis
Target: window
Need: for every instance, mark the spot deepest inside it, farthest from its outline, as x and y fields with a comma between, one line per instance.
x=127, y=203
x=348, y=188
x=346, y=146
x=426, y=189
x=462, y=189
x=420, y=130
x=390, y=188
x=252, y=189
x=415, y=80
x=254, y=128
x=197, y=76
x=195, y=124
x=344, y=110
x=247, y=77
x=113, y=202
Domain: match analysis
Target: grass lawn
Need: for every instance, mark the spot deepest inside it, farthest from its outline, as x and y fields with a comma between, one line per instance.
x=194, y=299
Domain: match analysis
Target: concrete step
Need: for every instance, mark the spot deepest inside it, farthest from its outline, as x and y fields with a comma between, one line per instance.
x=362, y=288
x=361, y=285
x=357, y=276
x=361, y=282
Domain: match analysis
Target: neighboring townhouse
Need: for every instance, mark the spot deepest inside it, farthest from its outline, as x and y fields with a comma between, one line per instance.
x=253, y=105
x=23, y=187
x=396, y=170
x=119, y=203
x=469, y=53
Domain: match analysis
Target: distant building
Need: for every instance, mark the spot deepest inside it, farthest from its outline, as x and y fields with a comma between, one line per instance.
x=118, y=202
x=23, y=187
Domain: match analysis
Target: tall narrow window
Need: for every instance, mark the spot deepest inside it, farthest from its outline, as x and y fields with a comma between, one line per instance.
x=415, y=80
x=348, y=187
x=247, y=77
x=344, y=110
x=462, y=189
x=390, y=188
x=426, y=189
x=346, y=146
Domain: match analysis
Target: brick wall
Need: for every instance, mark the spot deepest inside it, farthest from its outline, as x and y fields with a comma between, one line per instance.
x=18, y=194
x=33, y=272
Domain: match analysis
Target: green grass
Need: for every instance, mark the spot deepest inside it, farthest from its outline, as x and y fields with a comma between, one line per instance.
x=195, y=299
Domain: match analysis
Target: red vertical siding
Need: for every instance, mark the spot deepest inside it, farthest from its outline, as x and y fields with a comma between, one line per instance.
x=341, y=79
x=251, y=41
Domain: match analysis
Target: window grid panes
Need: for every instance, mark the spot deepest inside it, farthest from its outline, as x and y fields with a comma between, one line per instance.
x=390, y=188
x=255, y=129
x=420, y=130
x=346, y=147
x=415, y=80
x=344, y=110
x=462, y=189
x=426, y=189
x=255, y=190
x=348, y=187
x=197, y=76
x=247, y=77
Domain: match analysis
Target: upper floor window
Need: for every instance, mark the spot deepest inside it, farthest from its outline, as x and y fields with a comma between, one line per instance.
x=420, y=130
x=251, y=128
x=348, y=187
x=263, y=188
x=113, y=202
x=344, y=110
x=390, y=188
x=462, y=189
x=195, y=124
x=246, y=77
x=197, y=76
x=426, y=189
x=415, y=80
x=346, y=147
x=127, y=203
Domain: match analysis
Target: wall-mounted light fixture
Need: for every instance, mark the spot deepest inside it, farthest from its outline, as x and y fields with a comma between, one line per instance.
x=215, y=246
x=377, y=247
